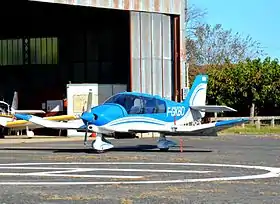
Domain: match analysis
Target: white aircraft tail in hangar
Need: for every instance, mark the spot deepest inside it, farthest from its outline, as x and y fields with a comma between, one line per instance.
x=6, y=109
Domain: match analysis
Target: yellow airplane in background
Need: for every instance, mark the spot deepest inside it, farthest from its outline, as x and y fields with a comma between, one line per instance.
x=7, y=117
x=17, y=125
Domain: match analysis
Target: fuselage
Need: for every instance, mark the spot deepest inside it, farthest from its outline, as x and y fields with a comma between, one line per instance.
x=126, y=111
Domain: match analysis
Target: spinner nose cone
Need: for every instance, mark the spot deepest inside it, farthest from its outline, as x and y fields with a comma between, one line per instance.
x=88, y=117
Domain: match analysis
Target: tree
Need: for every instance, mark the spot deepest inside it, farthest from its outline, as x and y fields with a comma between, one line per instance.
x=253, y=84
x=194, y=18
x=206, y=44
x=215, y=45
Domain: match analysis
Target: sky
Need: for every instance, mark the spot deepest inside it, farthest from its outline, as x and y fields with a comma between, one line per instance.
x=258, y=18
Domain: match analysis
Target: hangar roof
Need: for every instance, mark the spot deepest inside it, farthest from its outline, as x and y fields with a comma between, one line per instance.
x=159, y=6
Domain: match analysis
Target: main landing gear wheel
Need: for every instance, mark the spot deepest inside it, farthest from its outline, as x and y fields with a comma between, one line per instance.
x=164, y=144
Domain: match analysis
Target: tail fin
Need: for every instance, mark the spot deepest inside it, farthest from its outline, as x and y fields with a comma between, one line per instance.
x=14, y=107
x=196, y=99
x=15, y=102
x=197, y=94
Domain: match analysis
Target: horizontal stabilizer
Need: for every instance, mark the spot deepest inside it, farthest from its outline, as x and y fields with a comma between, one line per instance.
x=28, y=111
x=212, y=108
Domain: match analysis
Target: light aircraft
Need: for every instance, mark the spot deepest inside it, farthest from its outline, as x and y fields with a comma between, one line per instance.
x=7, y=117
x=132, y=112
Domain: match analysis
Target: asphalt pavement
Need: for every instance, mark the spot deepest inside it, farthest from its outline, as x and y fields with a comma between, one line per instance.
x=225, y=169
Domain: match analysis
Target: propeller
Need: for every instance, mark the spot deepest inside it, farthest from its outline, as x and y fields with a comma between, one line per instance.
x=87, y=116
x=89, y=101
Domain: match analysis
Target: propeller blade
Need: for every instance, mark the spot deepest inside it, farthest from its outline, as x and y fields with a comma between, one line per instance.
x=89, y=101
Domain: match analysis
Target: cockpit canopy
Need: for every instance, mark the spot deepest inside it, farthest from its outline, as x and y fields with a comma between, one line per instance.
x=138, y=104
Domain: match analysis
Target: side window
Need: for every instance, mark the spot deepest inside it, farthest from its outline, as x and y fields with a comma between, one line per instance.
x=149, y=105
x=161, y=106
x=136, y=105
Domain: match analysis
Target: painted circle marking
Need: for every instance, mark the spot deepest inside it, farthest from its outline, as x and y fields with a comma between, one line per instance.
x=272, y=172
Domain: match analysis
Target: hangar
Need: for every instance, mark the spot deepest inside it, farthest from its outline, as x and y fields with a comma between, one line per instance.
x=45, y=44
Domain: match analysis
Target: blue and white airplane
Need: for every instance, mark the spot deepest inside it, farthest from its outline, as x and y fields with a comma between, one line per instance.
x=131, y=112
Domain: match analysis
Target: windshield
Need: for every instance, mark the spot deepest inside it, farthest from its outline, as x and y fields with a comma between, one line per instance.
x=134, y=104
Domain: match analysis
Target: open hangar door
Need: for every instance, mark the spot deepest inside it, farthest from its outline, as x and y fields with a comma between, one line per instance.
x=155, y=54
x=57, y=44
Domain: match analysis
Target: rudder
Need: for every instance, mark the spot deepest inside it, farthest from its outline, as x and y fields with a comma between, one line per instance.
x=15, y=102
x=197, y=94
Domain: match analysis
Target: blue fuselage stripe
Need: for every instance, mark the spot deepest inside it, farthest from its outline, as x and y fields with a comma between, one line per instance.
x=137, y=121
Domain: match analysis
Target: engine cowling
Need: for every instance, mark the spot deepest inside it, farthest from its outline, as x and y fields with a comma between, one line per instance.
x=107, y=112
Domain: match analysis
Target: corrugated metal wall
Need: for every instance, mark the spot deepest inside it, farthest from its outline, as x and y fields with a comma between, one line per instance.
x=161, y=6
x=183, y=44
x=151, y=53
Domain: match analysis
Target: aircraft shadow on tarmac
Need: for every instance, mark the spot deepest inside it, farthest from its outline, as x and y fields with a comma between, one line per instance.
x=137, y=148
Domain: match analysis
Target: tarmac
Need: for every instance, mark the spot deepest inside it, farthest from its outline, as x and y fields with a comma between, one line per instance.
x=224, y=169
x=37, y=139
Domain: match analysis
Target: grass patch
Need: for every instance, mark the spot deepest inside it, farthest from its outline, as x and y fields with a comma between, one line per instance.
x=252, y=129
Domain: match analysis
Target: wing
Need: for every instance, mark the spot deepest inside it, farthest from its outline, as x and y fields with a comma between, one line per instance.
x=9, y=122
x=18, y=124
x=61, y=117
x=27, y=111
x=21, y=124
x=73, y=124
x=207, y=129
x=212, y=108
x=48, y=123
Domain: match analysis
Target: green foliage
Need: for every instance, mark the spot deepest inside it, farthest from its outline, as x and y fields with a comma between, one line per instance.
x=239, y=85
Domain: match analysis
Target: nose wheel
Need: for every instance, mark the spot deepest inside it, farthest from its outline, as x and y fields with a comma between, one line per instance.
x=96, y=150
x=100, y=144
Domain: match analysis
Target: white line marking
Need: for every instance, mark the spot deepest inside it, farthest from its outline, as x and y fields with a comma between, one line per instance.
x=70, y=175
x=86, y=176
x=103, y=169
x=35, y=168
x=141, y=163
x=272, y=172
x=57, y=172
